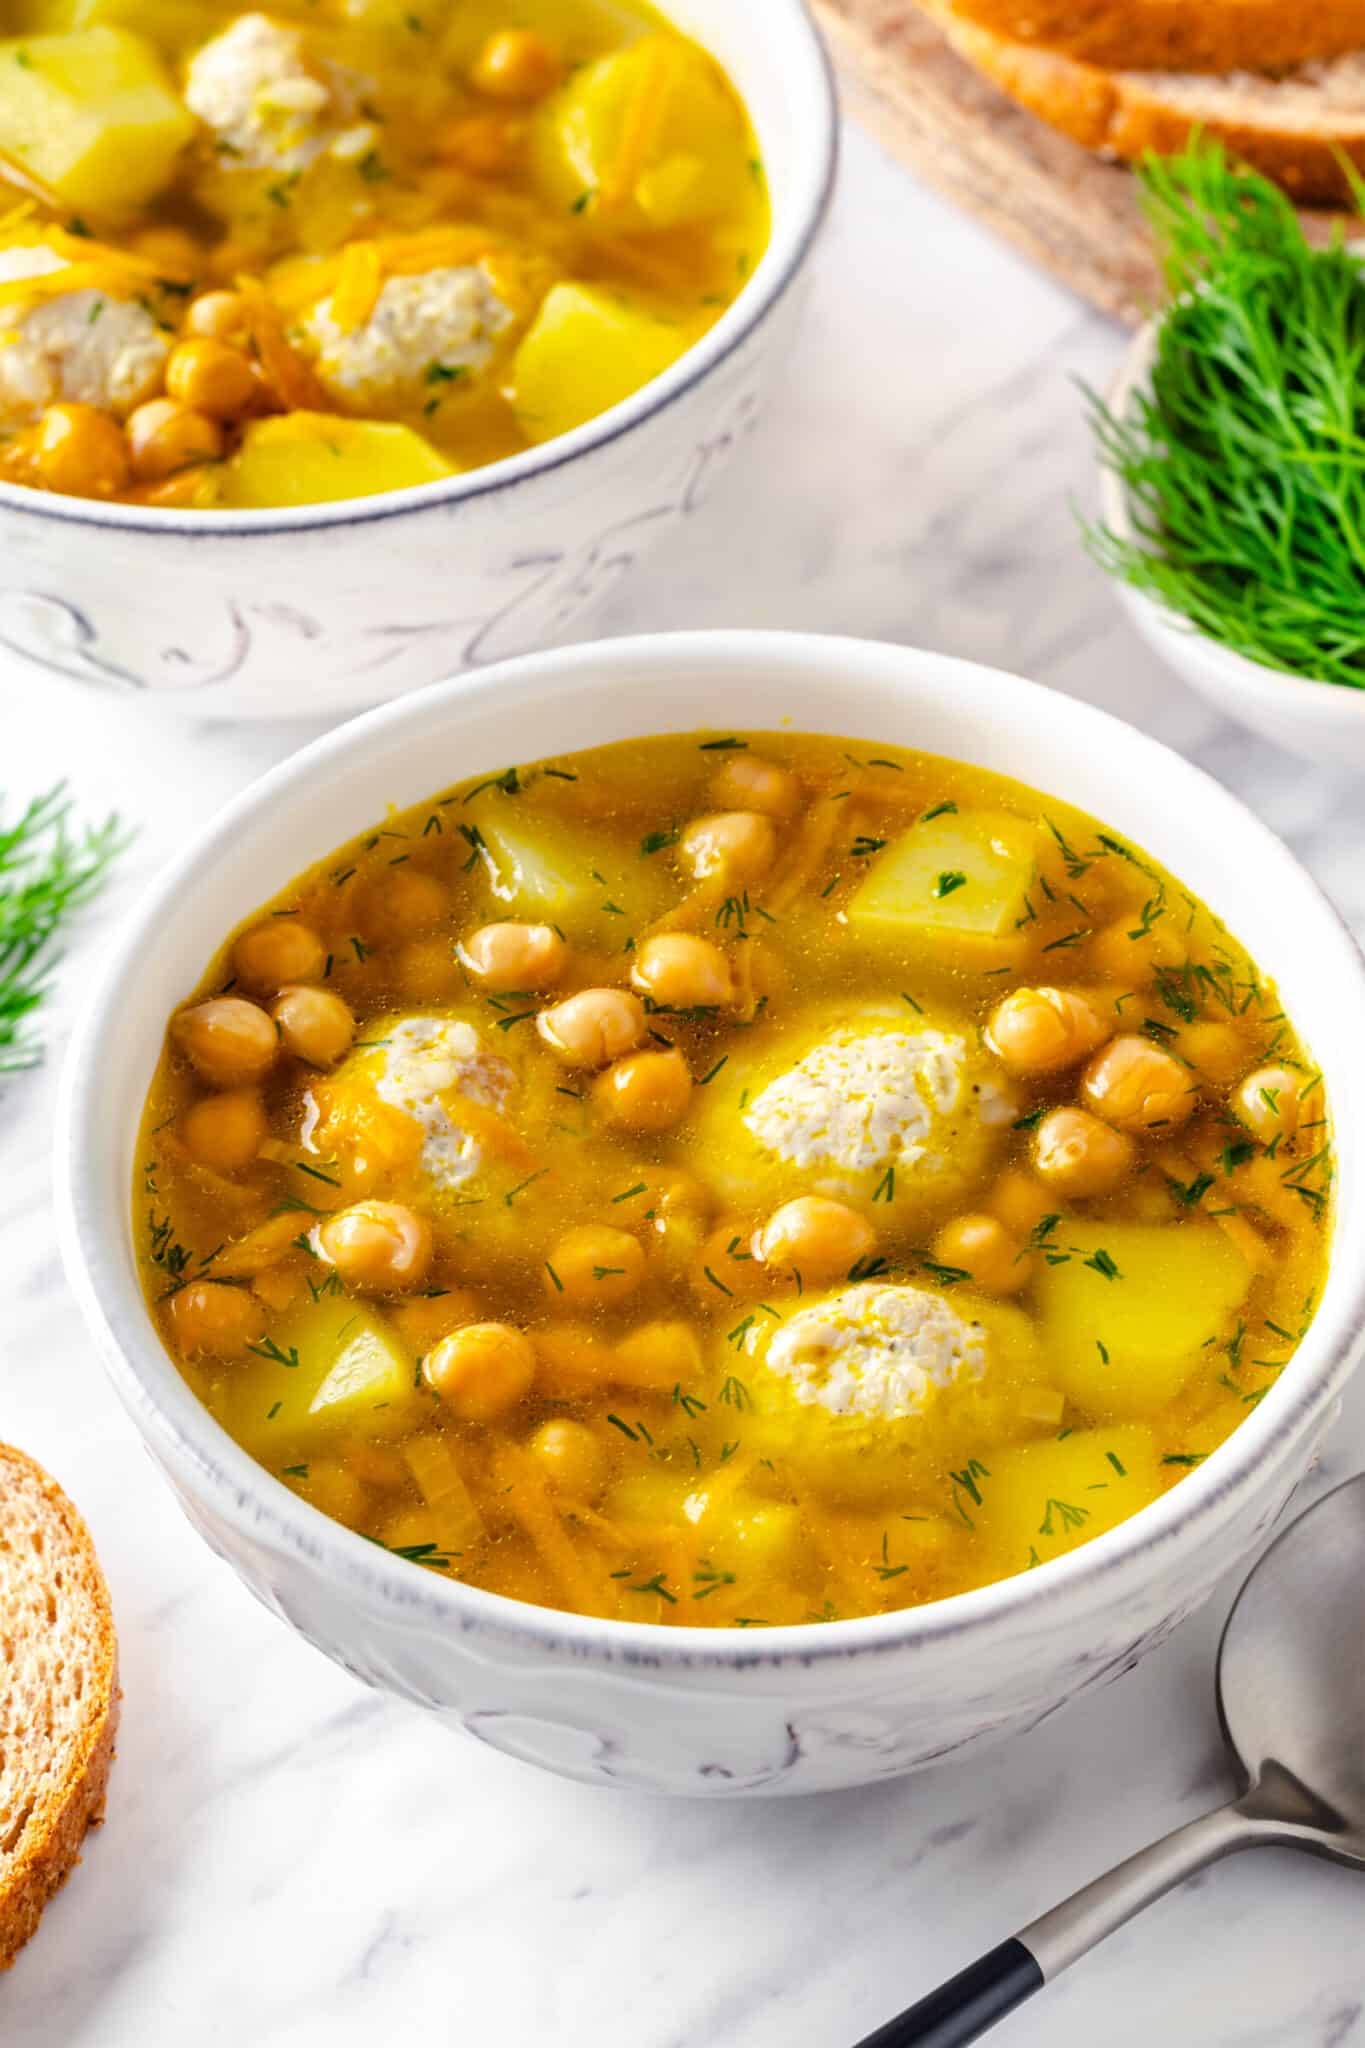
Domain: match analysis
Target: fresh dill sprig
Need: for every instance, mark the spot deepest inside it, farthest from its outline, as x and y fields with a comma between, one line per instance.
x=1243, y=461
x=47, y=870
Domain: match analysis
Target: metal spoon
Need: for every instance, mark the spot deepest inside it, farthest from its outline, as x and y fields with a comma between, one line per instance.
x=1291, y=1696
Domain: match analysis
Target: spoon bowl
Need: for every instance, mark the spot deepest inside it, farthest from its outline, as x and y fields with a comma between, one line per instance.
x=1291, y=1678
x=1291, y=1696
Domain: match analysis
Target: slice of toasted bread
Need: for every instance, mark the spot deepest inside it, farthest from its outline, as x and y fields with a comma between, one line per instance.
x=1291, y=127
x=58, y=1693
x=1177, y=35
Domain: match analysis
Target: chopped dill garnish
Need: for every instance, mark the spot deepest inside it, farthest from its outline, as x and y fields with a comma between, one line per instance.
x=1243, y=461
x=47, y=871
x=1100, y=1261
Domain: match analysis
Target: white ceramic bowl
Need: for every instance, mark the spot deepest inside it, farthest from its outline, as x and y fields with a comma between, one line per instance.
x=1322, y=722
x=685, y=1710
x=324, y=609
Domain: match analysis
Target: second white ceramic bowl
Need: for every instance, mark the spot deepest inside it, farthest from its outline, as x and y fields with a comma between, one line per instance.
x=326, y=608
x=1321, y=722
x=694, y=1710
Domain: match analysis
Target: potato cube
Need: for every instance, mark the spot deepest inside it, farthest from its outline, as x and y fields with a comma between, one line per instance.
x=646, y=137
x=1131, y=1308
x=957, y=879
x=1039, y=1500
x=93, y=115
x=331, y=1365
x=313, y=458
x=556, y=875
x=173, y=25
x=586, y=350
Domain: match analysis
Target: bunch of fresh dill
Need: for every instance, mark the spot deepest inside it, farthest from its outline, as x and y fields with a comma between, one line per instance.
x=1244, y=462
x=47, y=870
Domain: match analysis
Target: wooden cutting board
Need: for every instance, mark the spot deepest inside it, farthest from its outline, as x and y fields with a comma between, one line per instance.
x=1069, y=211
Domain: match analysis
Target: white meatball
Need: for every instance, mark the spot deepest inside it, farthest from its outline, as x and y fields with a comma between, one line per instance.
x=86, y=346
x=268, y=108
x=426, y=334
x=876, y=1350
x=425, y=1067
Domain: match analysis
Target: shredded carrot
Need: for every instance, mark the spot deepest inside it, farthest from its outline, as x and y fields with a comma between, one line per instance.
x=261, y=1248
x=644, y=118
x=442, y=1486
x=290, y=378
x=359, y=283
x=809, y=848
x=1249, y=1242
x=526, y=1498
x=493, y=1132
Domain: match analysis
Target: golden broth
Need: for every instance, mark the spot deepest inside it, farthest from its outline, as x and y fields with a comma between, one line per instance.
x=344, y=247
x=731, y=1234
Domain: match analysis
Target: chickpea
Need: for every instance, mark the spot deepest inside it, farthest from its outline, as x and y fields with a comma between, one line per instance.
x=164, y=437
x=1078, y=1155
x=514, y=956
x=731, y=846
x=224, y=1132
x=379, y=1247
x=409, y=902
x=594, y=1027
x=222, y=315
x=209, y=1316
x=594, y=1264
x=646, y=1091
x=271, y=955
x=659, y=1355
x=423, y=1319
x=746, y=782
x=210, y=376
x=1124, y=952
x=1019, y=1202
x=482, y=1370
x=814, y=1237
x=678, y=972
x=1137, y=1086
x=314, y=1025
x=515, y=64
x=571, y=1458
x=485, y=145
x=227, y=1039
x=1217, y=1052
x=81, y=452
x=1267, y=1102
x=1039, y=1030
x=981, y=1246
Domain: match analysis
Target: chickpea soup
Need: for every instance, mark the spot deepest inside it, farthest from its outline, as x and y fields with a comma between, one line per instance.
x=733, y=1180
x=346, y=246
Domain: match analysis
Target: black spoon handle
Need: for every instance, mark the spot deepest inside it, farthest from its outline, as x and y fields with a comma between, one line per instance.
x=962, y=2009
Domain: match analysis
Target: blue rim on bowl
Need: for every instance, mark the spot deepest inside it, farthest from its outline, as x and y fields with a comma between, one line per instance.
x=95, y=1243
x=781, y=264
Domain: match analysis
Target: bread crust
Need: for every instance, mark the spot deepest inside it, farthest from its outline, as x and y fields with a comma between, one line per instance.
x=1123, y=113
x=50, y=1846
x=1176, y=35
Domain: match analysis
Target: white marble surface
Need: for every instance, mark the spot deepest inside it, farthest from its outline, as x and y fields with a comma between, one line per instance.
x=293, y=1862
